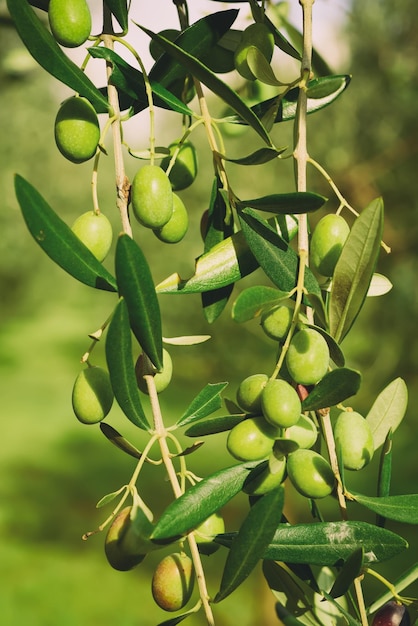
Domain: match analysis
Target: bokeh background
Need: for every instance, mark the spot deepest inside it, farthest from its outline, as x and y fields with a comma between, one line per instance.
x=52, y=469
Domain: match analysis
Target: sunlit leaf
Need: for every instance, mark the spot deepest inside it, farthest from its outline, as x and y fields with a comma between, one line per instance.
x=109, y=497
x=251, y=542
x=137, y=287
x=121, y=367
x=399, y=508
x=186, y=340
x=214, y=425
x=354, y=269
x=379, y=286
x=251, y=302
x=45, y=50
x=120, y=442
x=206, y=402
x=58, y=241
x=335, y=387
x=388, y=410
x=385, y=473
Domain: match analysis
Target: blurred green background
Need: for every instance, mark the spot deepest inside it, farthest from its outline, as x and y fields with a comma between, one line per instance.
x=53, y=469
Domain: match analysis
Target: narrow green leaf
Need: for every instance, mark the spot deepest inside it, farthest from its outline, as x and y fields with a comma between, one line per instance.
x=335, y=351
x=336, y=386
x=45, y=50
x=109, y=497
x=251, y=542
x=206, y=402
x=263, y=155
x=284, y=203
x=354, y=269
x=327, y=543
x=200, y=501
x=214, y=425
x=251, y=302
x=399, y=508
x=388, y=410
x=121, y=368
x=120, y=11
x=278, y=260
x=178, y=619
x=137, y=287
x=212, y=81
x=120, y=442
x=215, y=301
x=349, y=571
x=58, y=241
x=385, y=474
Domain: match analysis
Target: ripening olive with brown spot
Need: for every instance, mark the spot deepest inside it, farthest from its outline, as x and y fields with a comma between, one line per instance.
x=92, y=395
x=70, y=21
x=310, y=473
x=173, y=582
x=119, y=558
x=152, y=196
x=95, y=231
x=161, y=379
x=354, y=436
x=249, y=392
x=77, y=130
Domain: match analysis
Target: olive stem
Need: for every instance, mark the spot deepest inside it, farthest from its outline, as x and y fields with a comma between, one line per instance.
x=360, y=600
x=328, y=434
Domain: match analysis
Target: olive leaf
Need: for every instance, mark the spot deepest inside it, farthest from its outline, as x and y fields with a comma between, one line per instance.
x=251, y=302
x=334, y=387
x=388, y=410
x=206, y=402
x=214, y=425
x=402, y=508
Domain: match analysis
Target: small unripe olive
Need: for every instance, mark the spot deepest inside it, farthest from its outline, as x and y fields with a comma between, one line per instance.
x=352, y=432
x=392, y=614
x=280, y=403
x=310, y=473
x=304, y=432
x=162, y=379
x=152, y=196
x=92, y=396
x=251, y=440
x=184, y=170
x=177, y=225
x=117, y=557
x=259, y=36
x=260, y=482
x=77, y=130
x=206, y=531
x=328, y=239
x=70, y=21
x=249, y=392
x=307, y=358
x=173, y=582
x=95, y=231
x=276, y=321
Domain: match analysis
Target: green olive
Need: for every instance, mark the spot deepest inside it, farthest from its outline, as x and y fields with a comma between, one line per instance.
x=249, y=392
x=262, y=480
x=177, y=225
x=307, y=358
x=310, y=473
x=77, y=130
x=352, y=432
x=259, y=36
x=92, y=396
x=206, y=531
x=184, y=170
x=70, y=21
x=276, y=322
x=152, y=197
x=251, y=440
x=173, y=582
x=328, y=239
x=95, y=231
x=304, y=432
x=280, y=403
x=162, y=379
x=117, y=557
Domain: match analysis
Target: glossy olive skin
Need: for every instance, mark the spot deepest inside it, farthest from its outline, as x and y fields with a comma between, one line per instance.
x=184, y=170
x=152, y=197
x=276, y=322
x=173, y=582
x=77, y=130
x=307, y=358
x=162, y=379
x=328, y=239
x=304, y=432
x=280, y=403
x=206, y=531
x=310, y=473
x=249, y=392
x=251, y=440
x=177, y=225
x=353, y=434
x=261, y=482
x=70, y=21
x=117, y=557
x=95, y=231
x=258, y=35
x=392, y=614
x=92, y=395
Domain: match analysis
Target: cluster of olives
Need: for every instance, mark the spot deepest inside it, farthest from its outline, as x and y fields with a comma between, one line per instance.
x=92, y=395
